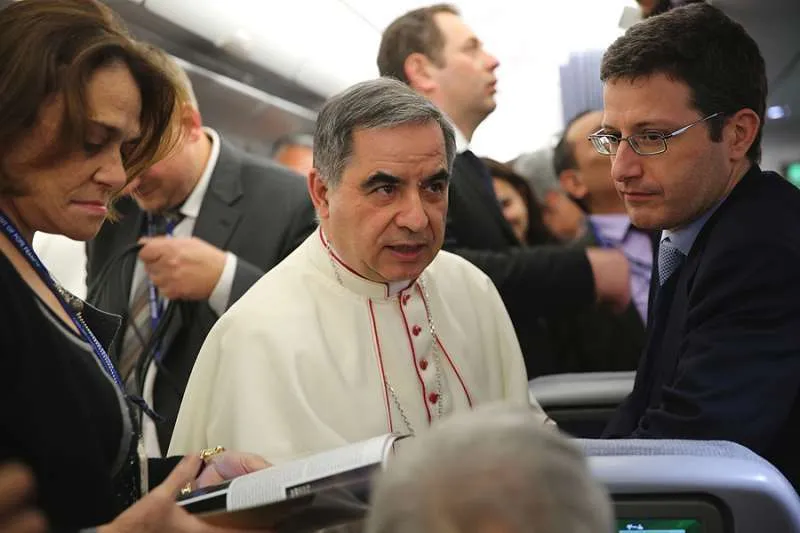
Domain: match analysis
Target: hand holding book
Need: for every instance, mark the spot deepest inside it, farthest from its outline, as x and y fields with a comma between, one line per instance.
x=229, y=465
x=317, y=491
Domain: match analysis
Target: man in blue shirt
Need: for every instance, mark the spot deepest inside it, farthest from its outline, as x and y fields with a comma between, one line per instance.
x=586, y=176
x=684, y=97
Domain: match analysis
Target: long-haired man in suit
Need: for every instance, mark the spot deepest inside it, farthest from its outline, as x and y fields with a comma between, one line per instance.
x=209, y=222
x=685, y=98
x=432, y=50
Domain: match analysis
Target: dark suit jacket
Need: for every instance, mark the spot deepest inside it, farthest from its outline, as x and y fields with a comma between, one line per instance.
x=535, y=283
x=722, y=359
x=597, y=339
x=255, y=209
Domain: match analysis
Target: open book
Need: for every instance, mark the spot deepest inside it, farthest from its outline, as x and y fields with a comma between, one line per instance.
x=322, y=490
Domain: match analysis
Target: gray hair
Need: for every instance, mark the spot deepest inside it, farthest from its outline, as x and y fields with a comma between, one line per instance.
x=495, y=467
x=378, y=103
x=537, y=168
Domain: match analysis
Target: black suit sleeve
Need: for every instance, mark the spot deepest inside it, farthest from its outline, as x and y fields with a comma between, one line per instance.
x=739, y=365
x=302, y=224
x=543, y=280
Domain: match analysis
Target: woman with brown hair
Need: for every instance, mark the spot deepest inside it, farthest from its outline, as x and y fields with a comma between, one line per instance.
x=83, y=109
x=520, y=207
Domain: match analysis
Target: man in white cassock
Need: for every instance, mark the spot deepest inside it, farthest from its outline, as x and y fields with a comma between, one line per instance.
x=367, y=327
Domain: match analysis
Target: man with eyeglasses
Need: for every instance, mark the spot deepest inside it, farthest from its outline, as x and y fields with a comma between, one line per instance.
x=684, y=98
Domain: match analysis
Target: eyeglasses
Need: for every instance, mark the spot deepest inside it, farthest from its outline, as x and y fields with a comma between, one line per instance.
x=650, y=143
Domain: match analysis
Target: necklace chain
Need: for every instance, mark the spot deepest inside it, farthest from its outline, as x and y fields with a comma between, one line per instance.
x=434, y=352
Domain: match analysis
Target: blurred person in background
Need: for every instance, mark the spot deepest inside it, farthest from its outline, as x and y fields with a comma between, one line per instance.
x=562, y=216
x=17, y=494
x=494, y=470
x=295, y=151
x=518, y=204
x=651, y=8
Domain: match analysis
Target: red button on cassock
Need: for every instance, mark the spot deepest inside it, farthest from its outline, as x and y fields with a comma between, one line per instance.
x=423, y=364
x=433, y=397
x=416, y=330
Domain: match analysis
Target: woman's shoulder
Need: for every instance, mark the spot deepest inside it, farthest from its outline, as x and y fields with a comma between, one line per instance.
x=13, y=290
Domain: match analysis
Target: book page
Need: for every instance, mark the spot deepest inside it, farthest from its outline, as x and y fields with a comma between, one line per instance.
x=270, y=485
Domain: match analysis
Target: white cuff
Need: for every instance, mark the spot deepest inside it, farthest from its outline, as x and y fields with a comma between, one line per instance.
x=221, y=295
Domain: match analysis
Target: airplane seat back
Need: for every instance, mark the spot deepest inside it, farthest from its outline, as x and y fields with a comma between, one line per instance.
x=582, y=403
x=692, y=486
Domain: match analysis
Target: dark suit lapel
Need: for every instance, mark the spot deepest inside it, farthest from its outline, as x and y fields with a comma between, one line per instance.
x=127, y=233
x=130, y=234
x=216, y=220
x=218, y=214
x=471, y=181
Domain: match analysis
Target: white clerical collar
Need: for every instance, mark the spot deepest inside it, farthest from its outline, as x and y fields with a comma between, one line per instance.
x=191, y=207
x=352, y=280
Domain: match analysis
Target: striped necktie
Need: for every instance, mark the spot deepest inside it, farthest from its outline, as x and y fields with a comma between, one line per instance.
x=139, y=327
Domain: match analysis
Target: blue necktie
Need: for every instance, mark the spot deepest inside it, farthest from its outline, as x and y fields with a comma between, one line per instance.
x=669, y=259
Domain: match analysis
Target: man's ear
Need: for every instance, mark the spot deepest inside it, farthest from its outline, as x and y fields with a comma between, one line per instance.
x=318, y=189
x=572, y=184
x=740, y=132
x=192, y=123
x=419, y=72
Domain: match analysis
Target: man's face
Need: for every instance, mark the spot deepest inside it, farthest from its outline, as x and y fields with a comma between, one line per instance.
x=386, y=217
x=672, y=189
x=591, y=179
x=296, y=157
x=170, y=181
x=465, y=80
x=562, y=216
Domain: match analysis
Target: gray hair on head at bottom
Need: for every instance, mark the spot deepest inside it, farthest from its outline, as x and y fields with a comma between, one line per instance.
x=378, y=103
x=493, y=469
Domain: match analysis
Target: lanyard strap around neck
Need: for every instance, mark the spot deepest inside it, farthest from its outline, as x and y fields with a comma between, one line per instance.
x=154, y=301
x=27, y=252
x=16, y=238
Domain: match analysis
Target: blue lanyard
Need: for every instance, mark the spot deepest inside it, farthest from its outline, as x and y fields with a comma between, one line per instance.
x=16, y=238
x=155, y=303
x=25, y=249
x=637, y=265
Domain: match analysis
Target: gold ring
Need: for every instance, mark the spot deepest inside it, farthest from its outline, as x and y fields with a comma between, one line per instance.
x=186, y=489
x=208, y=453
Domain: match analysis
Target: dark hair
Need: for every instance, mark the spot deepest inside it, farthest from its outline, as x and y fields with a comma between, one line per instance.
x=414, y=32
x=50, y=47
x=564, y=156
x=665, y=5
x=537, y=230
x=564, y=152
x=698, y=45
